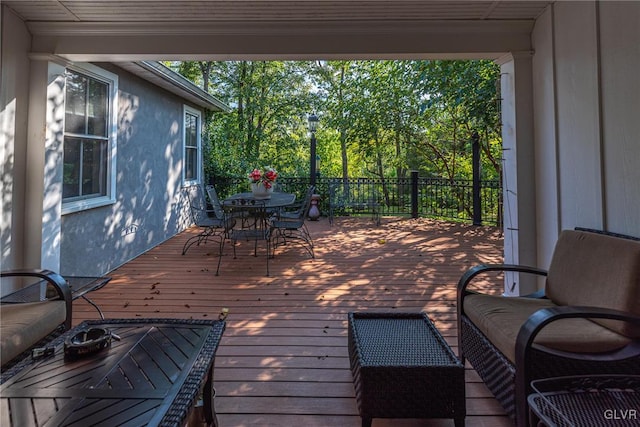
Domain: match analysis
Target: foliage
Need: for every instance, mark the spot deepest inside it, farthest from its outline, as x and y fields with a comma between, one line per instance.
x=460, y=99
x=377, y=118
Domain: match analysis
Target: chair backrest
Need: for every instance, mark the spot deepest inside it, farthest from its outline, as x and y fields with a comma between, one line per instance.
x=596, y=269
x=279, y=187
x=306, y=204
x=342, y=194
x=252, y=210
x=197, y=204
x=215, y=201
x=303, y=210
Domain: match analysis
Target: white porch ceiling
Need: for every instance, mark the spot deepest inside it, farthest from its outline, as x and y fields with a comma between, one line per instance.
x=277, y=29
x=213, y=11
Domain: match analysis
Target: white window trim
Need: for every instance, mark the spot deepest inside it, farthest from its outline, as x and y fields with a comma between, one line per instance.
x=186, y=182
x=112, y=80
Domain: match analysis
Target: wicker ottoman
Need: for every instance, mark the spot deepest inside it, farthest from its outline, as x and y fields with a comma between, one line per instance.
x=403, y=368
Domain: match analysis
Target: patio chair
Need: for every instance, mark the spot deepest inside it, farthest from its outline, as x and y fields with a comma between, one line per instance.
x=290, y=226
x=353, y=198
x=294, y=211
x=32, y=315
x=216, y=204
x=255, y=228
x=212, y=222
x=214, y=201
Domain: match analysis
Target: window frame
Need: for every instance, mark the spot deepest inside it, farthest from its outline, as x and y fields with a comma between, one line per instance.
x=111, y=80
x=198, y=114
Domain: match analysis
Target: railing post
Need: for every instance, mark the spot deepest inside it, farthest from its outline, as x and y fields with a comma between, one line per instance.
x=477, y=205
x=414, y=194
x=312, y=161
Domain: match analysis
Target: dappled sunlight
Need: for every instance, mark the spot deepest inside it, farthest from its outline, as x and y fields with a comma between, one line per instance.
x=251, y=324
x=287, y=333
x=52, y=197
x=8, y=250
x=149, y=207
x=240, y=389
x=415, y=251
x=266, y=376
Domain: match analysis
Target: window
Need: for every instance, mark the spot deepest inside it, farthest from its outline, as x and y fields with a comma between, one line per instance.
x=89, y=139
x=192, y=145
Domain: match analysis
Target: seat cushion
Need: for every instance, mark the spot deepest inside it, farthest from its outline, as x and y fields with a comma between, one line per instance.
x=500, y=318
x=592, y=269
x=23, y=325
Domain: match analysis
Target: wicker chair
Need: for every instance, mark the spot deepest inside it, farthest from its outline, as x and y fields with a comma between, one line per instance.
x=587, y=320
x=40, y=310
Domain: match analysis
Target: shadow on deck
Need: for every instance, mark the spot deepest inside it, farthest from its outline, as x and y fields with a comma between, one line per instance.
x=283, y=358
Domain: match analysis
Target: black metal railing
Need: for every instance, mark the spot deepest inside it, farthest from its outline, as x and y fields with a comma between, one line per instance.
x=412, y=196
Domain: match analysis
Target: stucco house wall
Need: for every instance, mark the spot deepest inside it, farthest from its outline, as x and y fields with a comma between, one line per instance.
x=149, y=206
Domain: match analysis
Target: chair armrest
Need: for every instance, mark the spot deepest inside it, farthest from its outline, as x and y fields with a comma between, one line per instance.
x=541, y=318
x=54, y=279
x=289, y=209
x=208, y=212
x=470, y=274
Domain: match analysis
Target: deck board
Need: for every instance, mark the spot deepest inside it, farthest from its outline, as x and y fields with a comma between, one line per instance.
x=283, y=359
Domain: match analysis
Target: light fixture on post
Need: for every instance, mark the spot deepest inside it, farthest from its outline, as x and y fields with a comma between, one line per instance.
x=313, y=125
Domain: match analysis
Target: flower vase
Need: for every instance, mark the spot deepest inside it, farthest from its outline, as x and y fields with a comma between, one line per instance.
x=260, y=192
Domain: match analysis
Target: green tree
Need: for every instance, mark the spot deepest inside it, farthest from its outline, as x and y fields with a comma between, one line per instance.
x=459, y=98
x=378, y=118
x=266, y=126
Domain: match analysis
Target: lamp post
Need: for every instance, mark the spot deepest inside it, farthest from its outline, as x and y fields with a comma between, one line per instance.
x=313, y=125
x=318, y=165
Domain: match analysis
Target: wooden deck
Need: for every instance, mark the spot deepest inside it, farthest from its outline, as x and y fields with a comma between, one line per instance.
x=283, y=357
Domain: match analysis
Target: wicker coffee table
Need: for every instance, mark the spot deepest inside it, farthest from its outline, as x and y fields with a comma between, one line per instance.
x=403, y=368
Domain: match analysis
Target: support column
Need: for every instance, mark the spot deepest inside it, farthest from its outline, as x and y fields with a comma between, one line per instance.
x=518, y=170
x=43, y=199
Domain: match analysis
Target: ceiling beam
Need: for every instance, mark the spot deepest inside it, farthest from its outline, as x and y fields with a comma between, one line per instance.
x=291, y=40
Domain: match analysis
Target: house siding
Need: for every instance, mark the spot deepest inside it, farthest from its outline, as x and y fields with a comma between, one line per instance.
x=587, y=104
x=149, y=207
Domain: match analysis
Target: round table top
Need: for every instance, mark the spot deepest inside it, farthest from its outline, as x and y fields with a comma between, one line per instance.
x=277, y=199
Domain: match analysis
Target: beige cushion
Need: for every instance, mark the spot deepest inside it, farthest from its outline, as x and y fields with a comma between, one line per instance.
x=500, y=318
x=23, y=325
x=591, y=269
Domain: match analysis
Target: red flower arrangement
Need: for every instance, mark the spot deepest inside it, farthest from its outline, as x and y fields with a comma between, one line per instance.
x=267, y=178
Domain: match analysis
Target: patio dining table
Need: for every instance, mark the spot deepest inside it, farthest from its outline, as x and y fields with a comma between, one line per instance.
x=255, y=213
x=277, y=199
